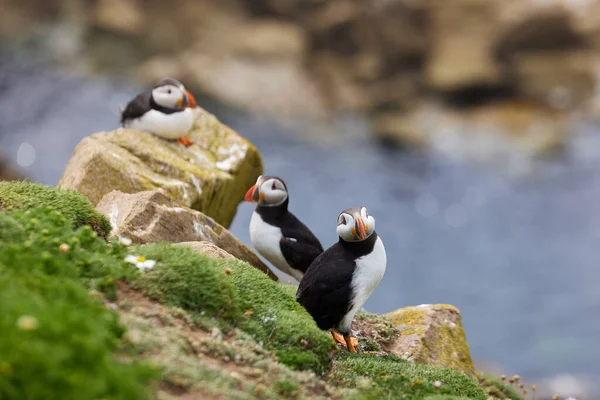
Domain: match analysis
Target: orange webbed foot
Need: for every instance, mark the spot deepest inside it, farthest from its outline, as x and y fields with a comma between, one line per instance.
x=185, y=141
x=346, y=340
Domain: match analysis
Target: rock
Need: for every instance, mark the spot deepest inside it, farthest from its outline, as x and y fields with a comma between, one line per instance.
x=258, y=65
x=123, y=16
x=462, y=53
x=151, y=216
x=484, y=133
x=211, y=176
x=433, y=335
x=562, y=80
x=207, y=248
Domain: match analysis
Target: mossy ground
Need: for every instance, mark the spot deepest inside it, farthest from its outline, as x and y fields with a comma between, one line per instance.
x=78, y=322
x=388, y=377
x=74, y=206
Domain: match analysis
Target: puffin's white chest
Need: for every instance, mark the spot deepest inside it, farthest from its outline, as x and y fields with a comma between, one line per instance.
x=367, y=275
x=168, y=126
x=265, y=239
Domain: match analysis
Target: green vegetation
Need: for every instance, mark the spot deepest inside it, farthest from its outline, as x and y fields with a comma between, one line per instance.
x=279, y=321
x=186, y=279
x=74, y=206
x=57, y=341
x=498, y=389
x=390, y=377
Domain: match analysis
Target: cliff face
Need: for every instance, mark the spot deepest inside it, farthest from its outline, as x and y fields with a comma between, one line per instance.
x=389, y=60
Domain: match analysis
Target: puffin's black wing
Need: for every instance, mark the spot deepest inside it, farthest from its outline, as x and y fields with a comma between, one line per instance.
x=299, y=245
x=137, y=107
x=325, y=290
x=298, y=255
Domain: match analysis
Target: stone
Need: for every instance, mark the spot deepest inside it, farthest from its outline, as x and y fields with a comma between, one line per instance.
x=433, y=335
x=207, y=248
x=497, y=131
x=563, y=80
x=462, y=45
x=124, y=16
x=151, y=216
x=211, y=176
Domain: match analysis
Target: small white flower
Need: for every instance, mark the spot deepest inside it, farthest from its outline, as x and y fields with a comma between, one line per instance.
x=125, y=241
x=437, y=384
x=140, y=262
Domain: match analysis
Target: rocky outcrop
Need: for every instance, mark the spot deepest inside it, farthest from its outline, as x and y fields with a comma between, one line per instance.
x=210, y=176
x=387, y=59
x=433, y=335
x=151, y=216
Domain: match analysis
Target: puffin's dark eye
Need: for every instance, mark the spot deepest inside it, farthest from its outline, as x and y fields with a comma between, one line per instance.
x=169, y=91
x=343, y=220
x=273, y=187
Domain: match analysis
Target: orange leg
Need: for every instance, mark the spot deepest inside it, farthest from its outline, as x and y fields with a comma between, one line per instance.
x=345, y=340
x=350, y=343
x=185, y=141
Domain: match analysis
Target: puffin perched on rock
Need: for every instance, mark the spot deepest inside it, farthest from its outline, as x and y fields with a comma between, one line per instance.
x=276, y=233
x=339, y=282
x=166, y=111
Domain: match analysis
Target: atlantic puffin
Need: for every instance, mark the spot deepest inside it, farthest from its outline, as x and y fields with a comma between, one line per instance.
x=166, y=111
x=276, y=233
x=339, y=282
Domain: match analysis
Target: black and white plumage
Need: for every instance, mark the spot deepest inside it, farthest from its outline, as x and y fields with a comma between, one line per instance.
x=276, y=233
x=339, y=282
x=166, y=111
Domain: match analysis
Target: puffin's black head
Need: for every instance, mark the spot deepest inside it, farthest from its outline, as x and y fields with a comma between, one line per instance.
x=355, y=224
x=170, y=93
x=269, y=191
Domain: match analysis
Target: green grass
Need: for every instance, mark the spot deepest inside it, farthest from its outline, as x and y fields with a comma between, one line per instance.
x=391, y=378
x=74, y=206
x=498, y=389
x=278, y=321
x=186, y=279
x=58, y=342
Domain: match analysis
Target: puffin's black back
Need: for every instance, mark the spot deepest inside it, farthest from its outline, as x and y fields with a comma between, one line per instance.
x=325, y=290
x=141, y=104
x=302, y=251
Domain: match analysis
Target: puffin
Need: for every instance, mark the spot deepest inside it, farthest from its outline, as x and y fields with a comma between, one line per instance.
x=166, y=111
x=276, y=233
x=339, y=282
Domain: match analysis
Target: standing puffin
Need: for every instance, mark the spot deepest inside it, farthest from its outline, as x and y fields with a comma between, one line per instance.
x=339, y=282
x=276, y=233
x=166, y=111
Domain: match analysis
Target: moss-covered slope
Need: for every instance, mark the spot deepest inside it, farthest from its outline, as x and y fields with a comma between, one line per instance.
x=80, y=322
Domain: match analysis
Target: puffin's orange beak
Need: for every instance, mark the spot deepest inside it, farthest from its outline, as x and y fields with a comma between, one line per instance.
x=250, y=195
x=360, y=229
x=191, y=101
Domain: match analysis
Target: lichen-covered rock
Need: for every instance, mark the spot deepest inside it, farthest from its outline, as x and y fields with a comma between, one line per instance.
x=207, y=248
x=150, y=216
x=211, y=176
x=433, y=335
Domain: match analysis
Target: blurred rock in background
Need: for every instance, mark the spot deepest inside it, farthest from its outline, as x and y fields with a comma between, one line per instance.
x=391, y=60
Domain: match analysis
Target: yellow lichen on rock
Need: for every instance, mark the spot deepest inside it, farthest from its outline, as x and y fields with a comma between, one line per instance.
x=210, y=176
x=433, y=335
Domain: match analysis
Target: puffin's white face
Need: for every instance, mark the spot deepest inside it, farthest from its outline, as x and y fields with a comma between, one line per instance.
x=170, y=96
x=269, y=191
x=355, y=224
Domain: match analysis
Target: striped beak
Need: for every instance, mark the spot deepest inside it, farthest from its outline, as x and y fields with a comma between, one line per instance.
x=252, y=195
x=359, y=228
x=190, y=99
